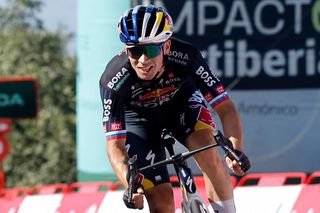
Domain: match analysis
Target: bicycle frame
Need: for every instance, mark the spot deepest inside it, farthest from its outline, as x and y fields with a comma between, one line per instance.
x=188, y=187
x=190, y=195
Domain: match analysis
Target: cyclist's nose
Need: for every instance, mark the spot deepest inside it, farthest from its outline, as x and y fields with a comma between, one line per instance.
x=143, y=58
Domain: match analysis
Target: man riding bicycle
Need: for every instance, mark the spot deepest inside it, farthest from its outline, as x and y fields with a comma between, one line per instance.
x=161, y=82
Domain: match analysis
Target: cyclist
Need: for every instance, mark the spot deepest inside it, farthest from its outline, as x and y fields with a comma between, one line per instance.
x=159, y=82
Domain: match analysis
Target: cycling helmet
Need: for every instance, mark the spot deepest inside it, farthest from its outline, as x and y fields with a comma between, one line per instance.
x=144, y=25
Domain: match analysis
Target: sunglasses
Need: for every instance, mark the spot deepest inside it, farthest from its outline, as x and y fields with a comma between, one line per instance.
x=150, y=51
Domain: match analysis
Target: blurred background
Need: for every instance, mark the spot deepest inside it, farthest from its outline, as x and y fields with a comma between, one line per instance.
x=267, y=53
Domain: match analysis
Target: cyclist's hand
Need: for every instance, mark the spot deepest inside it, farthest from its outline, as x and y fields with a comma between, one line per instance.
x=235, y=167
x=137, y=199
x=133, y=195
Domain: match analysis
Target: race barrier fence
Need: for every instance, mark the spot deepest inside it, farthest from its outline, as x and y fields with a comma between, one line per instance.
x=291, y=192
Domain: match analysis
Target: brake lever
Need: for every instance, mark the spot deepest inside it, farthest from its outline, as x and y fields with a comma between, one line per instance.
x=227, y=147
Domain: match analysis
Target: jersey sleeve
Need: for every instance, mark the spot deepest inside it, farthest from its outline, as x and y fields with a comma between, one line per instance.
x=113, y=114
x=209, y=84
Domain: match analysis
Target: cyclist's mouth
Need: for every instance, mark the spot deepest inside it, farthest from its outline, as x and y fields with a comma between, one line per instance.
x=145, y=69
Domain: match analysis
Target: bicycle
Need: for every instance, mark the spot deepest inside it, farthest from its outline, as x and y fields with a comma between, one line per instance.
x=191, y=200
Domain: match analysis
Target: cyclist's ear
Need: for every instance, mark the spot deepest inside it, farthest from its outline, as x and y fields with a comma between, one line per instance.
x=166, y=47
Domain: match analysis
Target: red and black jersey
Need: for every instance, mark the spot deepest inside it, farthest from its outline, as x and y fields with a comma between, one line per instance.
x=120, y=87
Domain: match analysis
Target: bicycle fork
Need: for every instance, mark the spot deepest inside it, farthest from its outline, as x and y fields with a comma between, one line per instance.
x=190, y=195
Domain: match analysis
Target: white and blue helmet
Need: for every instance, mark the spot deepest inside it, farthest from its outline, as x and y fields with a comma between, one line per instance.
x=144, y=25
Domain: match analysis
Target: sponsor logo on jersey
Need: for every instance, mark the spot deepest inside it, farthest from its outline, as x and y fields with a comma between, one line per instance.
x=206, y=76
x=151, y=157
x=154, y=102
x=208, y=97
x=205, y=117
x=136, y=90
x=219, y=89
x=172, y=80
x=106, y=109
x=196, y=97
x=157, y=93
x=179, y=55
x=118, y=78
x=115, y=126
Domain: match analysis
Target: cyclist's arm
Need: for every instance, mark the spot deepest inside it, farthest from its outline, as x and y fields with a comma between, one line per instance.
x=231, y=123
x=117, y=155
x=232, y=128
x=217, y=97
x=215, y=94
x=114, y=129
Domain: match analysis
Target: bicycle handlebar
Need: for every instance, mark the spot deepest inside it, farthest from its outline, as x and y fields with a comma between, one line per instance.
x=221, y=141
x=178, y=157
x=227, y=147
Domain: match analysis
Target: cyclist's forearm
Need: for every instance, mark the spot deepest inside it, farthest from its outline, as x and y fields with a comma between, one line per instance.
x=231, y=123
x=118, y=156
x=233, y=129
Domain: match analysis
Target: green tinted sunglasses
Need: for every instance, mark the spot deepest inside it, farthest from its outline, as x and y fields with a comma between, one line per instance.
x=150, y=51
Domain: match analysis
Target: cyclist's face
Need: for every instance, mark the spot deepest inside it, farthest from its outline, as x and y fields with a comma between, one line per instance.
x=147, y=61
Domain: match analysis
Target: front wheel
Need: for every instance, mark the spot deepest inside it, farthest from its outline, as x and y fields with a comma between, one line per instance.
x=198, y=207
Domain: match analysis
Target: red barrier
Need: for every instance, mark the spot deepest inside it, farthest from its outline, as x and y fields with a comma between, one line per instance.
x=117, y=186
x=314, y=178
x=94, y=196
x=92, y=187
x=234, y=181
x=10, y=205
x=308, y=200
x=81, y=202
x=11, y=193
x=2, y=179
x=50, y=189
x=272, y=179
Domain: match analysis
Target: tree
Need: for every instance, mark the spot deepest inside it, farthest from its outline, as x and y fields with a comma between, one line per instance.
x=42, y=150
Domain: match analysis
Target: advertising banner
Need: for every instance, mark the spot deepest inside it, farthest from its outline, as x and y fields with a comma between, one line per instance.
x=268, y=55
x=18, y=97
x=261, y=44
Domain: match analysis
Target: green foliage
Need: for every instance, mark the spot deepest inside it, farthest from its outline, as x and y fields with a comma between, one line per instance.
x=42, y=150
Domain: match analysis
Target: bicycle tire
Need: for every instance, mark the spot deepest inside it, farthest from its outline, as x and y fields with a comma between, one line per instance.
x=197, y=207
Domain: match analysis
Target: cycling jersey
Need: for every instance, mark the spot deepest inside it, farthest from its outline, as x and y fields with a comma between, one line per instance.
x=120, y=87
x=138, y=110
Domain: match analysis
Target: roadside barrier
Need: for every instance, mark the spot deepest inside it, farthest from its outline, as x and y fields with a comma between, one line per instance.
x=290, y=192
